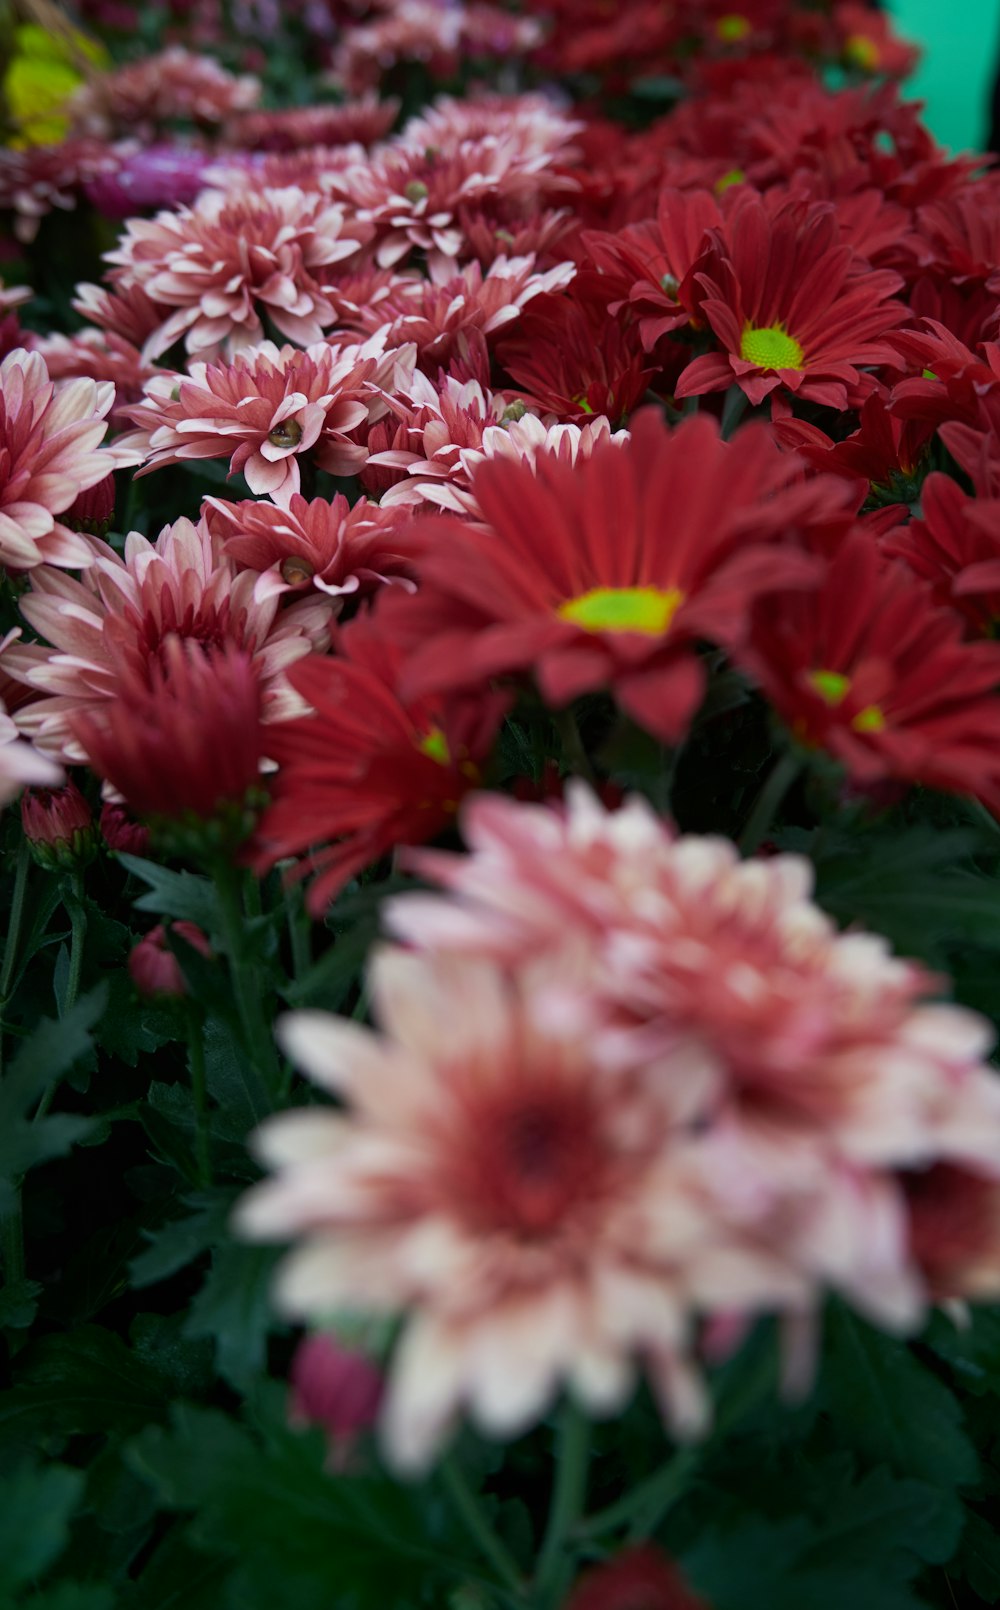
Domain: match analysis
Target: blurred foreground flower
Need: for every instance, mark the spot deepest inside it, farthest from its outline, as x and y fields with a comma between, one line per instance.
x=638, y=1579
x=334, y=1387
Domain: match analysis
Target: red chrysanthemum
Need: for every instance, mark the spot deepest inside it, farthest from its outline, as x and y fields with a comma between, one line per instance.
x=871, y=669
x=371, y=768
x=577, y=573
x=640, y=1578
x=956, y=547
x=791, y=307
x=572, y=359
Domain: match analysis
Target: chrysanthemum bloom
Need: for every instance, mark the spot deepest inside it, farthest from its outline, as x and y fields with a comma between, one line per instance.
x=20, y=765
x=576, y=576
x=955, y=546
x=539, y=127
x=868, y=667
x=790, y=307
x=39, y=178
x=954, y=1229
x=121, y=612
x=343, y=551
x=121, y=831
x=230, y=259
x=293, y=128
x=947, y=380
x=173, y=86
x=513, y=1198
x=571, y=358
x=869, y=43
x=640, y=1578
x=268, y=408
x=50, y=450
x=438, y=313
x=886, y=453
x=182, y=740
x=650, y=264
x=153, y=967
x=59, y=826
x=152, y=177
x=368, y=770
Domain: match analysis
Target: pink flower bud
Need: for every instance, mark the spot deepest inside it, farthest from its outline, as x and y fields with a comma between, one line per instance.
x=153, y=967
x=640, y=1578
x=122, y=832
x=58, y=825
x=336, y=1388
x=93, y=510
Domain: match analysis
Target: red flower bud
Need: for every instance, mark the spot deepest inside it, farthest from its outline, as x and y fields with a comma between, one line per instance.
x=154, y=969
x=638, y=1579
x=93, y=510
x=122, y=832
x=58, y=825
x=336, y=1388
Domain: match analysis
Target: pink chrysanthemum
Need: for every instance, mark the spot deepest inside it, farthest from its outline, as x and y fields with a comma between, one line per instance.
x=20, y=765
x=117, y=618
x=230, y=259
x=173, y=86
x=39, y=178
x=50, y=450
x=267, y=408
x=342, y=551
x=535, y=124
x=295, y=128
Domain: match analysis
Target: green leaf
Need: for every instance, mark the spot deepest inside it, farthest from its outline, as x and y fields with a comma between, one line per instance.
x=87, y=1381
x=179, y=1577
x=889, y=1408
x=18, y=1303
x=131, y=1028
x=48, y=1053
x=38, y=1503
x=73, y=1596
x=979, y=1560
x=179, y=1242
x=234, y=1309
x=183, y=895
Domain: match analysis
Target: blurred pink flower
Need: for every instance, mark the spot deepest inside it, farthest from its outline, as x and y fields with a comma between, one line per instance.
x=336, y=1388
x=173, y=86
x=266, y=408
x=50, y=450
x=154, y=176
x=119, y=615
x=153, y=967
x=39, y=178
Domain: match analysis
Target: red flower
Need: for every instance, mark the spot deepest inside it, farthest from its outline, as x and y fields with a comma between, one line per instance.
x=184, y=740
x=607, y=572
x=152, y=965
x=790, y=307
x=948, y=381
x=651, y=264
x=370, y=768
x=871, y=669
x=574, y=360
x=640, y=1578
x=956, y=547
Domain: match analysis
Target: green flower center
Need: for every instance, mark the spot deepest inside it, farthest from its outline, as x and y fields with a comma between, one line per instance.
x=771, y=347
x=732, y=28
x=624, y=609
x=870, y=719
x=831, y=686
x=734, y=176
x=435, y=746
x=860, y=51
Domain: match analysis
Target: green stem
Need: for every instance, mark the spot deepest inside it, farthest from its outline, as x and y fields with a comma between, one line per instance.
x=733, y=408
x=12, y=1226
x=572, y=744
x=78, y=934
x=785, y=771
x=262, y=1070
x=301, y=938
x=196, y=1067
x=643, y=1509
x=16, y=916
x=476, y=1522
x=568, y=1497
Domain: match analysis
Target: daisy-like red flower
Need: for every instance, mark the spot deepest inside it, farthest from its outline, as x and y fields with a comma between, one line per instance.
x=231, y=258
x=268, y=408
x=370, y=768
x=183, y=739
x=342, y=551
x=650, y=264
x=790, y=307
x=573, y=360
x=640, y=1578
x=868, y=667
x=955, y=546
x=575, y=572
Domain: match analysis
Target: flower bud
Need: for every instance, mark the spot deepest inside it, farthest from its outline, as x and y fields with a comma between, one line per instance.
x=153, y=967
x=334, y=1387
x=121, y=831
x=58, y=826
x=641, y=1578
x=93, y=510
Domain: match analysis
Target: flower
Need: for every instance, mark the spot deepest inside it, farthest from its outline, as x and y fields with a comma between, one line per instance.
x=267, y=408
x=790, y=307
x=20, y=765
x=155, y=176
x=153, y=967
x=229, y=259
x=119, y=615
x=868, y=667
x=368, y=769
x=50, y=450
x=59, y=826
x=182, y=744
x=121, y=831
x=295, y=128
x=337, y=1388
x=170, y=86
x=954, y=547
x=340, y=550
x=572, y=359
x=575, y=575
x=639, y=1578
x=39, y=178
x=93, y=510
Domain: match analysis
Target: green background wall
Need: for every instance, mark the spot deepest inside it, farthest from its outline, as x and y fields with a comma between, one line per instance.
x=961, y=43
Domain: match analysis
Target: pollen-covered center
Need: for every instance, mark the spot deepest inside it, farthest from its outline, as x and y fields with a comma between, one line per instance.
x=832, y=686
x=624, y=609
x=860, y=51
x=771, y=347
x=434, y=745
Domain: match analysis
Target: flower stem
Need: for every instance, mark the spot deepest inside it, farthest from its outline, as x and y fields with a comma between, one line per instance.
x=196, y=1066
x=643, y=1509
x=13, y=931
x=476, y=1522
x=73, y=902
x=262, y=1071
x=568, y=1497
x=785, y=771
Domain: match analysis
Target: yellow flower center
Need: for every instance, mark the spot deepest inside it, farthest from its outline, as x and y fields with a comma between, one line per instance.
x=287, y=434
x=732, y=28
x=296, y=570
x=860, y=51
x=734, y=176
x=831, y=686
x=870, y=719
x=771, y=347
x=624, y=609
x=434, y=745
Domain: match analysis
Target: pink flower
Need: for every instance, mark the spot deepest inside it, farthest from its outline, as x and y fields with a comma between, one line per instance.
x=20, y=765
x=174, y=85
x=59, y=826
x=336, y=1388
x=534, y=1213
x=231, y=258
x=121, y=831
x=340, y=550
x=267, y=408
x=155, y=176
x=153, y=967
x=49, y=452
x=119, y=615
x=38, y=178
x=295, y=128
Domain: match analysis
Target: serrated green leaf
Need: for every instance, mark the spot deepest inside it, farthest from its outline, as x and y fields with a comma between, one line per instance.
x=979, y=1560
x=86, y=1381
x=48, y=1053
x=234, y=1309
x=38, y=1503
x=183, y=895
x=178, y=1577
x=179, y=1242
x=131, y=1028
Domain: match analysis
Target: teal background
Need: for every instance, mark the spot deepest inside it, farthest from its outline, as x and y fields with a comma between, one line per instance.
x=961, y=44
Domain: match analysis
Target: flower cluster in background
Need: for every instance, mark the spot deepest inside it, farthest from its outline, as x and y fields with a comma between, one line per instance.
x=500, y=528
